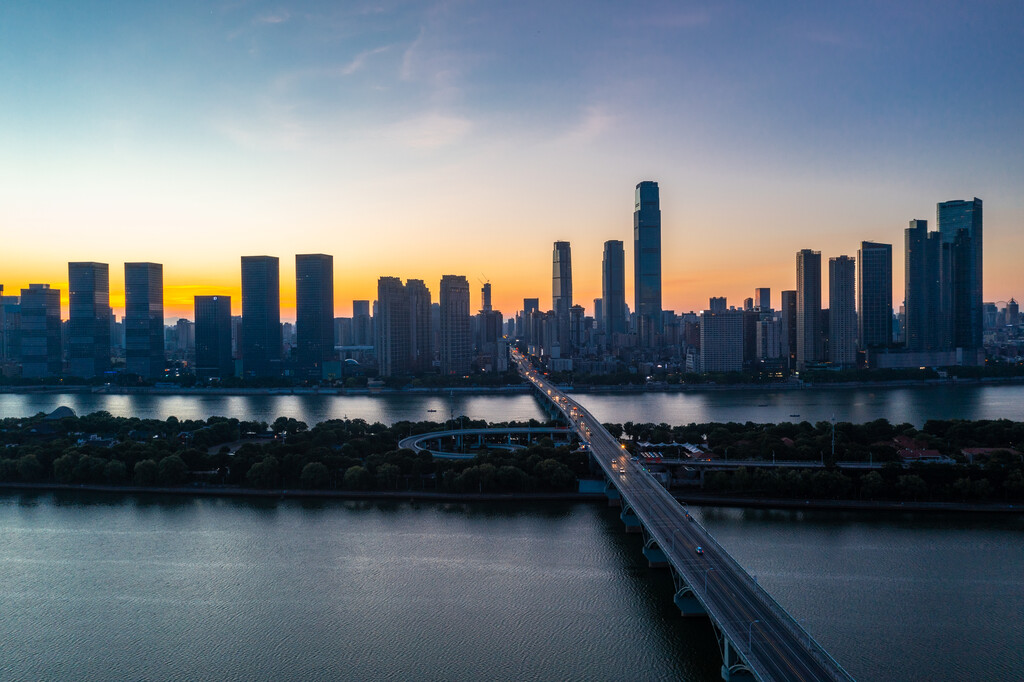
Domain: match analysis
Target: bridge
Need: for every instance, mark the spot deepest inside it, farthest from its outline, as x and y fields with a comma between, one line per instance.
x=503, y=436
x=757, y=637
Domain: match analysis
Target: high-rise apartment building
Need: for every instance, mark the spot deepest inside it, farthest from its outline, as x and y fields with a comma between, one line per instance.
x=314, y=313
x=40, y=331
x=613, y=289
x=808, y=308
x=960, y=225
x=874, y=295
x=647, y=258
x=456, y=342
x=362, y=324
x=393, y=328
x=763, y=299
x=721, y=340
x=10, y=328
x=485, y=298
x=261, y=316
x=561, y=291
x=88, y=319
x=787, y=308
x=842, y=313
x=213, y=337
x=144, y=319
x=421, y=338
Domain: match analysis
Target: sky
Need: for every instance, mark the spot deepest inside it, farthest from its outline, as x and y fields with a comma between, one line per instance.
x=420, y=139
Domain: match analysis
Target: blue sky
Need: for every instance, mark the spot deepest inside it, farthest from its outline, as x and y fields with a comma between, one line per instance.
x=418, y=139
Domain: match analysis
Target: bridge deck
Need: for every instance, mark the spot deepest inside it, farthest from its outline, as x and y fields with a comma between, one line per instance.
x=765, y=636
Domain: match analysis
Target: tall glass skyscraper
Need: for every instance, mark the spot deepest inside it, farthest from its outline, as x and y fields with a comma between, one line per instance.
x=842, y=312
x=613, y=289
x=261, y=316
x=960, y=224
x=144, y=319
x=874, y=295
x=88, y=319
x=40, y=331
x=561, y=292
x=314, y=313
x=213, y=337
x=647, y=258
x=809, y=344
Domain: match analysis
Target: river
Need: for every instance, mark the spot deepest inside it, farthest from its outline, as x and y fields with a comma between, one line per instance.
x=118, y=587
x=906, y=404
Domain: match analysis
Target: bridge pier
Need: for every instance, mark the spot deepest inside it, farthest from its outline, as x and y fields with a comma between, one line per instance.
x=734, y=668
x=655, y=555
x=613, y=495
x=685, y=599
x=630, y=519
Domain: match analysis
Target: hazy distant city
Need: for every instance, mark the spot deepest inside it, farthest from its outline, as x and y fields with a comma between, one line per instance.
x=942, y=322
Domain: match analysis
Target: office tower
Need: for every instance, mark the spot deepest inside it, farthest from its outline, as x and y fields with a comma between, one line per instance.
x=748, y=303
x=769, y=338
x=456, y=347
x=808, y=308
x=763, y=299
x=261, y=316
x=561, y=291
x=928, y=289
x=874, y=295
x=599, y=315
x=362, y=324
x=613, y=289
x=647, y=257
x=393, y=331
x=960, y=225
x=750, y=319
x=144, y=319
x=185, y=339
x=787, y=305
x=213, y=337
x=576, y=316
x=421, y=338
x=842, y=313
x=485, y=298
x=314, y=313
x=1013, y=313
x=40, y=331
x=88, y=319
x=718, y=304
x=531, y=305
x=10, y=327
x=721, y=340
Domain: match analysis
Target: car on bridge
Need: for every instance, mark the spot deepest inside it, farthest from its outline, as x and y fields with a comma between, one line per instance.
x=700, y=550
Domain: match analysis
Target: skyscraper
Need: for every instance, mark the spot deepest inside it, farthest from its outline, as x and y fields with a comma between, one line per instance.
x=787, y=305
x=421, y=339
x=88, y=319
x=40, y=331
x=485, y=298
x=647, y=258
x=10, y=327
x=960, y=224
x=874, y=295
x=808, y=308
x=928, y=298
x=456, y=343
x=561, y=291
x=763, y=299
x=144, y=319
x=721, y=340
x=393, y=344
x=261, y=316
x=362, y=324
x=613, y=289
x=314, y=313
x=842, y=313
x=213, y=337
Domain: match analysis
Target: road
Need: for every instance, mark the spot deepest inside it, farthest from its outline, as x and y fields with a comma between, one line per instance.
x=760, y=631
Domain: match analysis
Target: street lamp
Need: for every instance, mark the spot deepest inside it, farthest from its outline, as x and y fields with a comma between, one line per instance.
x=706, y=571
x=750, y=631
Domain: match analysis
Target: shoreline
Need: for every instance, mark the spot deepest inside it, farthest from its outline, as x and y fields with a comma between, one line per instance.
x=699, y=499
x=517, y=389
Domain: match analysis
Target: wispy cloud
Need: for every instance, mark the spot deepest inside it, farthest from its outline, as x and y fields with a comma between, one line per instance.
x=595, y=122
x=428, y=131
x=278, y=17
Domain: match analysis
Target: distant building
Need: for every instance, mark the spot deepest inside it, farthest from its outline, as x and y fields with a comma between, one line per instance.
x=88, y=319
x=314, y=314
x=613, y=288
x=362, y=324
x=40, y=331
x=647, y=259
x=262, y=339
x=10, y=328
x=144, y=319
x=721, y=341
x=393, y=327
x=960, y=225
x=213, y=337
x=420, y=337
x=763, y=299
x=874, y=295
x=456, y=342
x=842, y=316
x=561, y=289
x=808, y=308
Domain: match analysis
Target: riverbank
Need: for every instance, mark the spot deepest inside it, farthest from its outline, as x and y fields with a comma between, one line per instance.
x=697, y=499
x=512, y=389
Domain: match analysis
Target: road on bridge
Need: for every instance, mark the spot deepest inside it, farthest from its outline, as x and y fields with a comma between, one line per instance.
x=759, y=630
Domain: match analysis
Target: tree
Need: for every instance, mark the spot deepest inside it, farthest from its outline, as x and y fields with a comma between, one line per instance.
x=29, y=468
x=64, y=468
x=911, y=487
x=387, y=475
x=315, y=475
x=145, y=472
x=872, y=486
x=357, y=478
x=263, y=474
x=115, y=472
x=172, y=471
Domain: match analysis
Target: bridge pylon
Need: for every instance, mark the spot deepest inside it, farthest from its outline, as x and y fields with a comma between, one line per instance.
x=734, y=667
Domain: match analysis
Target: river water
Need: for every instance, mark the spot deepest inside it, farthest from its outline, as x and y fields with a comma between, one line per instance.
x=111, y=587
x=914, y=405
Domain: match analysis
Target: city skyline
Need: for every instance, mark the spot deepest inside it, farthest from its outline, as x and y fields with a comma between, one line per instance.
x=385, y=137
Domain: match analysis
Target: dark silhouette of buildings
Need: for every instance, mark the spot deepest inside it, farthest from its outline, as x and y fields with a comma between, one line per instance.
x=314, y=314
x=213, y=337
x=40, y=331
x=874, y=295
x=561, y=292
x=808, y=308
x=88, y=319
x=456, y=341
x=613, y=289
x=144, y=319
x=261, y=316
x=647, y=260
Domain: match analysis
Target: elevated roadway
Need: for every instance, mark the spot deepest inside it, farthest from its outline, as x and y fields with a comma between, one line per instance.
x=757, y=637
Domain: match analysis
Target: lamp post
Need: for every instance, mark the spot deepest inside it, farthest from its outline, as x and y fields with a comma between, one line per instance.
x=706, y=571
x=750, y=634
